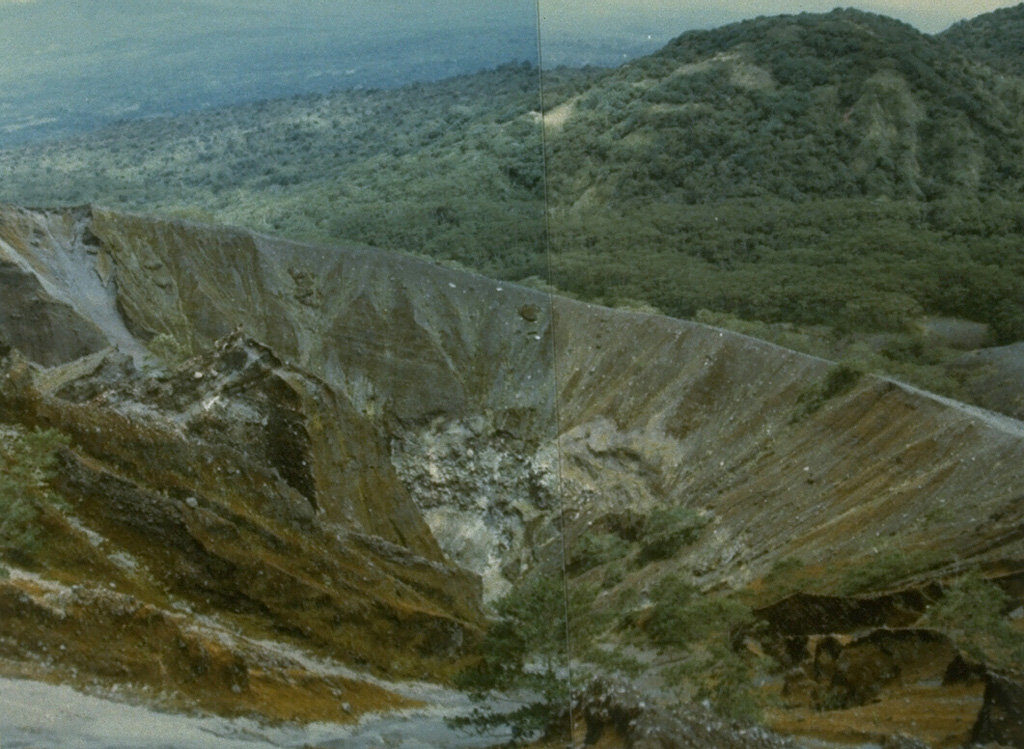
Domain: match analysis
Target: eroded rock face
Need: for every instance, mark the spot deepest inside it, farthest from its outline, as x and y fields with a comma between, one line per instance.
x=650, y=411
x=843, y=672
x=60, y=297
x=488, y=496
x=360, y=427
x=249, y=486
x=47, y=331
x=805, y=614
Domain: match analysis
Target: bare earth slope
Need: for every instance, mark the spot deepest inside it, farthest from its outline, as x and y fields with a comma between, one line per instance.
x=378, y=435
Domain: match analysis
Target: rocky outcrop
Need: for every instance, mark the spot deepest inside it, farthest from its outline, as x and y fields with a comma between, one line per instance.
x=803, y=614
x=619, y=716
x=248, y=486
x=1001, y=720
x=48, y=331
x=840, y=672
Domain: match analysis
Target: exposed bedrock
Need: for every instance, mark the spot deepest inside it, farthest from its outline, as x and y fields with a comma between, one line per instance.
x=249, y=487
x=499, y=405
x=355, y=450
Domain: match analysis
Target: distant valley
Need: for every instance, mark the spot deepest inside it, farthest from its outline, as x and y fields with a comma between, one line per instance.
x=68, y=68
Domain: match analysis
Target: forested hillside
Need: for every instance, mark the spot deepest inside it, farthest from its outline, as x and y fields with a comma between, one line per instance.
x=845, y=104
x=829, y=181
x=839, y=170
x=452, y=170
x=995, y=38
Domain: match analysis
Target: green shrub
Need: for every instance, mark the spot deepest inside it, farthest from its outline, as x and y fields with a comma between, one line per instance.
x=595, y=549
x=839, y=380
x=27, y=460
x=886, y=568
x=613, y=575
x=683, y=616
x=586, y=619
x=972, y=612
x=524, y=650
x=669, y=531
x=702, y=627
x=614, y=661
x=722, y=676
x=169, y=350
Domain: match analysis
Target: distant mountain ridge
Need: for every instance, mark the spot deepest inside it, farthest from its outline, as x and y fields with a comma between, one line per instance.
x=840, y=104
x=994, y=38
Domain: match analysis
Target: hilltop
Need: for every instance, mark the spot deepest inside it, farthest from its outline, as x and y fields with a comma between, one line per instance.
x=838, y=105
x=993, y=38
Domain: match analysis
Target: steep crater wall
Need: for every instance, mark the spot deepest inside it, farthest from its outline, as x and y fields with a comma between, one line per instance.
x=503, y=407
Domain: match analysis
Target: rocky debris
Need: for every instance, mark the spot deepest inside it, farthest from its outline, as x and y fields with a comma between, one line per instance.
x=619, y=715
x=488, y=496
x=88, y=377
x=1001, y=720
x=805, y=613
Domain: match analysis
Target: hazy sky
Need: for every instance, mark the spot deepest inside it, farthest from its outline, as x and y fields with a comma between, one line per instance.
x=927, y=15
x=670, y=17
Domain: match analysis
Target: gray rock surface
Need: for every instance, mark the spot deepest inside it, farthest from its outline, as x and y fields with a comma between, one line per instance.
x=34, y=715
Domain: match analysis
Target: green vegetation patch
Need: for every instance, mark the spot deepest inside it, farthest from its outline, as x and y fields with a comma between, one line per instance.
x=683, y=616
x=973, y=612
x=169, y=350
x=594, y=550
x=668, y=531
x=701, y=629
x=524, y=650
x=887, y=568
x=27, y=462
x=839, y=380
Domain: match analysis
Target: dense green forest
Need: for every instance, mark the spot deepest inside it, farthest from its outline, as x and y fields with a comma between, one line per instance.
x=452, y=170
x=994, y=38
x=827, y=181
